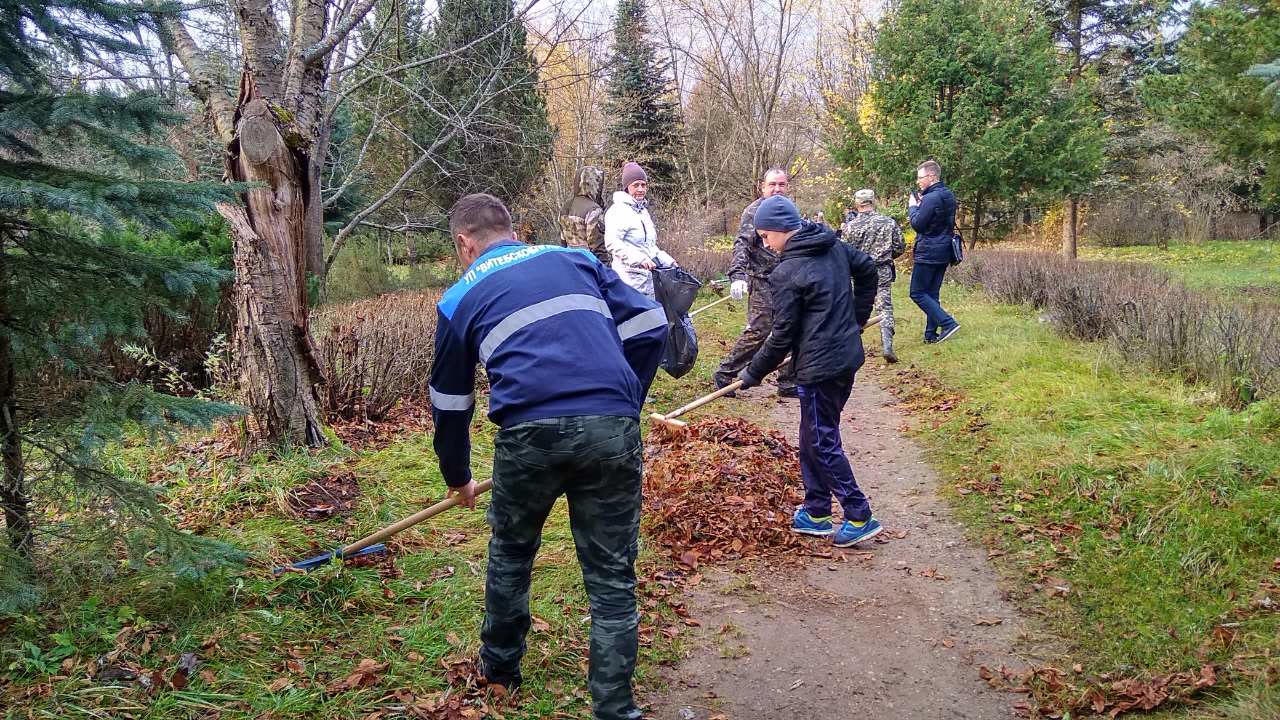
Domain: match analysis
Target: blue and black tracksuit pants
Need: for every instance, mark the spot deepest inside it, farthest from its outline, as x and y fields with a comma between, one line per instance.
x=823, y=465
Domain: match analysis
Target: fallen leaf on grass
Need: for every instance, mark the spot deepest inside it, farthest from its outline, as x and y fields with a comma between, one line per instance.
x=279, y=684
x=988, y=622
x=181, y=676
x=540, y=625
x=366, y=674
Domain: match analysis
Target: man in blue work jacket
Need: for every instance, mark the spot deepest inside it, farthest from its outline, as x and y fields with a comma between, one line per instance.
x=532, y=314
x=933, y=215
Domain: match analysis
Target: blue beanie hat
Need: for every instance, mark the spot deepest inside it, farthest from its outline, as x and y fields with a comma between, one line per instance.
x=777, y=213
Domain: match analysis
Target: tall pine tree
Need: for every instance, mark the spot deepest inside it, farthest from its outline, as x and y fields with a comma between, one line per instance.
x=66, y=287
x=645, y=124
x=487, y=86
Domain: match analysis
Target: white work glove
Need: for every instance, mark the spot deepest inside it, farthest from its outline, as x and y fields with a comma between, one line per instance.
x=738, y=289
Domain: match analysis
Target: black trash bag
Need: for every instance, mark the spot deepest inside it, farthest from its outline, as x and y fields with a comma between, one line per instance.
x=681, y=351
x=675, y=289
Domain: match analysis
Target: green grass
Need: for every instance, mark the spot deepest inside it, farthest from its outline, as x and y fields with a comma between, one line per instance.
x=1175, y=499
x=1232, y=265
x=305, y=631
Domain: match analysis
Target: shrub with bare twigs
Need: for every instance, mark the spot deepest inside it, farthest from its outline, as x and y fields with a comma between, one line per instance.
x=376, y=353
x=697, y=240
x=1145, y=314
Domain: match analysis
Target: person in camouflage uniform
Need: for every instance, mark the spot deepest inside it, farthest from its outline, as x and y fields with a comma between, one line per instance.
x=880, y=237
x=749, y=273
x=582, y=222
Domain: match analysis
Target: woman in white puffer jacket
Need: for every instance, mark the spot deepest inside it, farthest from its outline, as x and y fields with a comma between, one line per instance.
x=629, y=233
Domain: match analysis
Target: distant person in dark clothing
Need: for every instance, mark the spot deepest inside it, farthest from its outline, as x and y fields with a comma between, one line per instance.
x=933, y=215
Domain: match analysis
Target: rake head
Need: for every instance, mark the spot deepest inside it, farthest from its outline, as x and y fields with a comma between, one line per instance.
x=314, y=562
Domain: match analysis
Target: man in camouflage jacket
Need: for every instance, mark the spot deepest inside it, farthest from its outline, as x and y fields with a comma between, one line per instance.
x=749, y=273
x=582, y=222
x=880, y=237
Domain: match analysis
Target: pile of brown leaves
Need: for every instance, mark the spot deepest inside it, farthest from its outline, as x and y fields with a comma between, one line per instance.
x=723, y=489
x=325, y=497
x=1054, y=695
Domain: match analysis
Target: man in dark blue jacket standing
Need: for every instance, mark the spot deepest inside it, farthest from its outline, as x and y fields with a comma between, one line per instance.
x=818, y=319
x=528, y=313
x=933, y=215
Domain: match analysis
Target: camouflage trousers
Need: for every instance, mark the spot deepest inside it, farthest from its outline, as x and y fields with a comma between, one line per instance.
x=759, y=324
x=596, y=463
x=884, y=299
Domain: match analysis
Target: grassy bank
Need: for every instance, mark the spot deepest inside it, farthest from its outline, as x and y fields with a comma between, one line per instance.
x=1140, y=519
x=1251, y=266
x=282, y=647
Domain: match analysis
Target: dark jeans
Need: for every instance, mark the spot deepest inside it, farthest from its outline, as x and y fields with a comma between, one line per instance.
x=926, y=284
x=759, y=324
x=823, y=465
x=596, y=462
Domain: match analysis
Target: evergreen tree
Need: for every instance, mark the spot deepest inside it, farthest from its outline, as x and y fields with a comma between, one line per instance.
x=66, y=287
x=489, y=90
x=645, y=125
x=1271, y=73
x=1103, y=38
x=977, y=86
x=1209, y=94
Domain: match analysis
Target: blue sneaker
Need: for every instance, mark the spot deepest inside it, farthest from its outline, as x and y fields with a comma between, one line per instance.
x=948, y=332
x=806, y=524
x=850, y=534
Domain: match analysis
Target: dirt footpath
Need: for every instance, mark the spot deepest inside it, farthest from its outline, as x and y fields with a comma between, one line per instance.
x=889, y=629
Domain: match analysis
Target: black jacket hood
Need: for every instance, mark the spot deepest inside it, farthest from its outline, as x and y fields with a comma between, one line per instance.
x=810, y=240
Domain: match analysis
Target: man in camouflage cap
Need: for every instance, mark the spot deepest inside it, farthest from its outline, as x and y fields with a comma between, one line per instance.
x=880, y=237
x=582, y=222
x=749, y=273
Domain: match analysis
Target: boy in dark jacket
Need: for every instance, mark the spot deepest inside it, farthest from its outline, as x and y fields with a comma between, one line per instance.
x=818, y=320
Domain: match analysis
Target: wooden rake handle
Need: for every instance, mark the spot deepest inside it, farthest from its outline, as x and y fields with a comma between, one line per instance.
x=414, y=519
x=707, y=307
x=731, y=387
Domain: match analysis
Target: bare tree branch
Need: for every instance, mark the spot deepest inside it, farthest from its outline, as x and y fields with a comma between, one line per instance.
x=201, y=69
x=342, y=28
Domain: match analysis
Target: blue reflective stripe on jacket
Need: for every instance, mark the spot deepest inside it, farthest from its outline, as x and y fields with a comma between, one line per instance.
x=559, y=335
x=934, y=220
